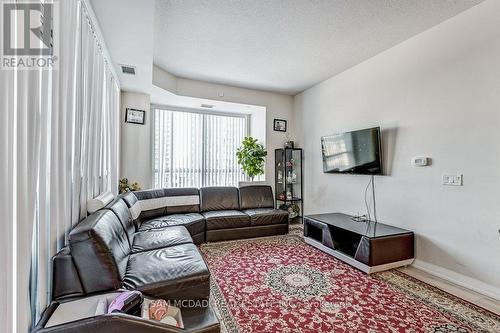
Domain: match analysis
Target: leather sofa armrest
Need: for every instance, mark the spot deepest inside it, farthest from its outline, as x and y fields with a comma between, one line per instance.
x=120, y=323
x=116, y=322
x=65, y=279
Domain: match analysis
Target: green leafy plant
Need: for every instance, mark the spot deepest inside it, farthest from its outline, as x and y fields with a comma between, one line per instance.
x=125, y=186
x=251, y=156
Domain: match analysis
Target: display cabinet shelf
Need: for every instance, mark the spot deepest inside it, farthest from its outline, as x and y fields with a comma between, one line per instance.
x=288, y=181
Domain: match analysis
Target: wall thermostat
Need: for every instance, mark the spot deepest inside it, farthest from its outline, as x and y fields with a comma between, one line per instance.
x=420, y=161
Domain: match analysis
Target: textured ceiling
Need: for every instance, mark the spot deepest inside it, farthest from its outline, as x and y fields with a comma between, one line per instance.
x=285, y=45
x=128, y=44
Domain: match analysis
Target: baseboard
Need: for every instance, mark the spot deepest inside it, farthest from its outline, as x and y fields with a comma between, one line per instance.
x=458, y=279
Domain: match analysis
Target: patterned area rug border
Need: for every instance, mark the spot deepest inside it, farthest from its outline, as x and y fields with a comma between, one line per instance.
x=481, y=319
x=227, y=321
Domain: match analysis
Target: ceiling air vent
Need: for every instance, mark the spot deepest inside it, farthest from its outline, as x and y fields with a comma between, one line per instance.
x=128, y=69
x=208, y=106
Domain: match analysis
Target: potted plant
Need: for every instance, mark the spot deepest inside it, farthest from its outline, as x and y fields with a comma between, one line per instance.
x=251, y=156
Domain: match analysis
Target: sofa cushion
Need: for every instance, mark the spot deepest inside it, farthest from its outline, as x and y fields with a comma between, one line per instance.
x=256, y=196
x=132, y=203
x=199, y=238
x=93, y=205
x=153, y=239
x=266, y=216
x=219, y=235
x=219, y=198
x=194, y=222
x=120, y=209
x=176, y=272
x=160, y=202
x=224, y=219
x=100, y=250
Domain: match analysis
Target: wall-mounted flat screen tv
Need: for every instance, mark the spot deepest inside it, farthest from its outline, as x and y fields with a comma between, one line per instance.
x=356, y=152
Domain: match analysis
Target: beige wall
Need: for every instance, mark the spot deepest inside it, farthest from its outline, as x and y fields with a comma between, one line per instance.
x=164, y=79
x=438, y=95
x=135, y=147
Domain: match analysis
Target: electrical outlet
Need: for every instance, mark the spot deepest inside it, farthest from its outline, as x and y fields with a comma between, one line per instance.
x=453, y=179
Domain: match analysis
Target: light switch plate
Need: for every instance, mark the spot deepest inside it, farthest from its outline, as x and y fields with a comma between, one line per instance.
x=420, y=161
x=453, y=179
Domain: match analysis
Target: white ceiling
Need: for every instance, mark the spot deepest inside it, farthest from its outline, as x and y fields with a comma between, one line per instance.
x=284, y=45
x=128, y=29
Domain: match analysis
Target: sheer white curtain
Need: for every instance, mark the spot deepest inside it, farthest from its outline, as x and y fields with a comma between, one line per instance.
x=59, y=147
x=197, y=149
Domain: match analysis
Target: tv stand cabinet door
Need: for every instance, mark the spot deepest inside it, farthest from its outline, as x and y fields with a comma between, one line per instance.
x=318, y=231
x=384, y=250
x=363, y=251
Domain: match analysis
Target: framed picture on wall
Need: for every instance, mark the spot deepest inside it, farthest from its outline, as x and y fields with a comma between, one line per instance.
x=280, y=125
x=135, y=116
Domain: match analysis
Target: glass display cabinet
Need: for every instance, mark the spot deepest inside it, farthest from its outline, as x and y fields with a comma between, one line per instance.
x=288, y=182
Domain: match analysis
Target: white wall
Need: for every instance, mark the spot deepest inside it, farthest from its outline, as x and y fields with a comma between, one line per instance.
x=135, y=141
x=438, y=95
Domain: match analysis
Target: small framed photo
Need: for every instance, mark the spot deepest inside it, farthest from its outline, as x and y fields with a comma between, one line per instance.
x=135, y=116
x=280, y=125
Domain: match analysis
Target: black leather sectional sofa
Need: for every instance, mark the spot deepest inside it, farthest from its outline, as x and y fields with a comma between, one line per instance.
x=211, y=213
x=146, y=240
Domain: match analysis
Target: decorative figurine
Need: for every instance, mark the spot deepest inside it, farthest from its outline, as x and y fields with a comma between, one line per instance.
x=280, y=173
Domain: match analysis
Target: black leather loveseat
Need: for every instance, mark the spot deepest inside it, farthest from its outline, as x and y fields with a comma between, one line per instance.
x=146, y=241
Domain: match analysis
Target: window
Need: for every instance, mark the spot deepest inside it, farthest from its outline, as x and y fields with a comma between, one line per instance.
x=197, y=149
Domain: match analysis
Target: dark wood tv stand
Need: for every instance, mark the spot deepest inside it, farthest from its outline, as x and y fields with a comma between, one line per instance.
x=370, y=247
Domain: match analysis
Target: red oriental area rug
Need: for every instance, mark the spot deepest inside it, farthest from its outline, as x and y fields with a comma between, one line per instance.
x=281, y=284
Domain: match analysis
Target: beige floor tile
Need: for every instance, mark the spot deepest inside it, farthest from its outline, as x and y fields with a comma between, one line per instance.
x=489, y=304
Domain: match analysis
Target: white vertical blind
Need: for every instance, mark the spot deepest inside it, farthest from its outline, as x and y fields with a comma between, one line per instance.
x=76, y=113
x=224, y=136
x=8, y=280
x=197, y=149
x=59, y=147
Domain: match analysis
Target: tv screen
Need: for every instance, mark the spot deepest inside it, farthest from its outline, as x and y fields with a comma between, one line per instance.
x=356, y=152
